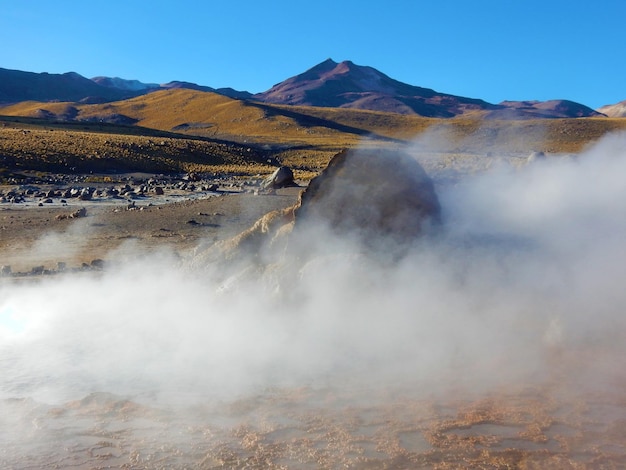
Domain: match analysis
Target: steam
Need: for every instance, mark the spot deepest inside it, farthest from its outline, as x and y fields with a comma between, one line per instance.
x=528, y=261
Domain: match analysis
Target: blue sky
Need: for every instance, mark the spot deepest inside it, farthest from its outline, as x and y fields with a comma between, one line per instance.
x=490, y=49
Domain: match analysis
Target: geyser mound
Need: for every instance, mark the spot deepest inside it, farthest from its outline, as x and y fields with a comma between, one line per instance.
x=374, y=199
x=375, y=193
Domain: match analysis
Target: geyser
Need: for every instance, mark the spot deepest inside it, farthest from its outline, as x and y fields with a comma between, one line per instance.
x=520, y=290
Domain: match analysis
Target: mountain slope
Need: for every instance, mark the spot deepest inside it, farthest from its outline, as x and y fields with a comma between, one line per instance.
x=140, y=87
x=614, y=110
x=16, y=86
x=542, y=109
x=123, y=84
x=347, y=85
x=196, y=113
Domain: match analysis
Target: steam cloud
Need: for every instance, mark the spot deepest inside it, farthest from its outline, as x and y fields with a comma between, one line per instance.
x=528, y=261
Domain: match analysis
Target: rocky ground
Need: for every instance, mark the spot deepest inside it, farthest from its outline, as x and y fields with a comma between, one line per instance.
x=54, y=225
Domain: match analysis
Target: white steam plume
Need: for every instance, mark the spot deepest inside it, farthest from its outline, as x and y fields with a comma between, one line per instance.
x=527, y=261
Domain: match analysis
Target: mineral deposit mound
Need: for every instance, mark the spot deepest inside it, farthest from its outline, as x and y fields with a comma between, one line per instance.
x=376, y=198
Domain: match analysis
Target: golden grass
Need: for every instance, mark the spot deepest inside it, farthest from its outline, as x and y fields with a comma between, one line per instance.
x=39, y=147
x=187, y=122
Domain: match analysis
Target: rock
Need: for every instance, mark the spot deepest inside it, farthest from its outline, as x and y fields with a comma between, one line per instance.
x=281, y=178
x=82, y=212
x=158, y=190
x=97, y=264
x=86, y=194
x=372, y=194
x=37, y=270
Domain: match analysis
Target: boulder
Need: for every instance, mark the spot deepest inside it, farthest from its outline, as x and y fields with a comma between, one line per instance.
x=373, y=194
x=281, y=178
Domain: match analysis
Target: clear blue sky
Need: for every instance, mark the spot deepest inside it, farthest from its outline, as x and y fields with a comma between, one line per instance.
x=490, y=49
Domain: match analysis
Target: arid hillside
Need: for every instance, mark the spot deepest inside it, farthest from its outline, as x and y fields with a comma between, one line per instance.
x=185, y=130
x=36, y=145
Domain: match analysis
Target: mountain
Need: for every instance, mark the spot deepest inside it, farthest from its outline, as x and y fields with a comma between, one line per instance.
x=140, y=87
x=542, y=109
x=614, y=110
x=16, y=86
x=328, y=84
x=346, y=85
x=122, y=84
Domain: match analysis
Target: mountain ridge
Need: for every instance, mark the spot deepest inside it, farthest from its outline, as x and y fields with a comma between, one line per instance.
x=327, y=84
x=348, y=85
